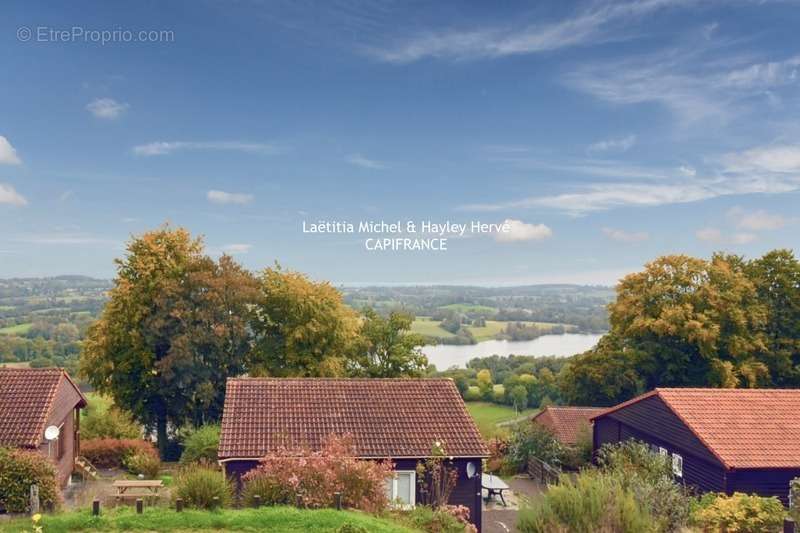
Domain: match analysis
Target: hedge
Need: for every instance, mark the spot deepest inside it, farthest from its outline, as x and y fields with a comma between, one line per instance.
x=18, y=471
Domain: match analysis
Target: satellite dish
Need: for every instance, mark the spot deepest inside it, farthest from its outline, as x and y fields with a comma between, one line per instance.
x=471, y=470
x=51, y=433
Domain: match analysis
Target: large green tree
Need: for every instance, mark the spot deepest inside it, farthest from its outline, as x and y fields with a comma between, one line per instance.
x=388, y=349
x=302, y=327
x=174, y=328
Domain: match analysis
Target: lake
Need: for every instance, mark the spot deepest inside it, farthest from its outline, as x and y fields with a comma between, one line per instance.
x=447, y=355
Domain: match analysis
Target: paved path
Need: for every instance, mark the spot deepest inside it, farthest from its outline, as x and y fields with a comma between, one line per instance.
x=499, y=519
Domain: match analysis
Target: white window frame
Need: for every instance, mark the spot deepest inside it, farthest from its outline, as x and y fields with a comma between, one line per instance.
x=663, y=451
x=413, y=495
x=677, y=465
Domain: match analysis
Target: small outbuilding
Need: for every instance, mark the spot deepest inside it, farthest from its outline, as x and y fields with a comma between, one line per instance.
x=718, y=440
x=33, y=400
x=387, y=419
x=568, y=423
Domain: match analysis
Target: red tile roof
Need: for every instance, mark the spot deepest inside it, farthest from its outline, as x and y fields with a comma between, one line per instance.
x=387, y=418
x=567, y=422
x=26, y=400
x=744, y=428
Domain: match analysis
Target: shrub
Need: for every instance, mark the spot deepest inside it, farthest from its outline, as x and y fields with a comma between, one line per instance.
x=111, y=424
x=634, y=457
x=18, y=471
x=201, y=445
x=593, y=501
x=473, y=394
x=741, y=513
x=794, y=496
x=530, y=439
x=198, y=485
x=146, y=464
x=111, y=453
x=579, y=455
x=284, y=474
x=442, y=520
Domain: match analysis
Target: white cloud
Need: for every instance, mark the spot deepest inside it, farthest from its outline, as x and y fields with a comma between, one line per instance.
x=106, y=108
x=781, y=159
x=759, y=220
x=686, y=170
x=622, y=144
x=8, y=155
x=165, y=148
x=742, y=238
x=709, y=234
x=361, y=161
x=8, y=195
x=625, y=236
x=600, y=23
x=234, y=249
x=516, y=230
x=66, y=238
x=222, y=197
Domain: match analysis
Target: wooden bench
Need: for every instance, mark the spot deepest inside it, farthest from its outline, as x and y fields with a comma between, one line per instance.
x=137, y=488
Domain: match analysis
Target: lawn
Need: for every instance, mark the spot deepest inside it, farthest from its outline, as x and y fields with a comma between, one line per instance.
x=19, y=329
x=489, y=416
x=424, y=325
x=278, y=519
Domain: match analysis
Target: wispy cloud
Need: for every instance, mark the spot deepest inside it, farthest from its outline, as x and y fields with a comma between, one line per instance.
x=759, y=220
x=363, y=162
x=106, y=108
x=625, y=236
x=236, y=249
x=517, y=230
x=67, y=238
x=622, y=144
x=708, y=234
x=8, y=195
x=754, y=171
x=8, y=155
x=169, y=147
x=601, y=22
x=223, y=197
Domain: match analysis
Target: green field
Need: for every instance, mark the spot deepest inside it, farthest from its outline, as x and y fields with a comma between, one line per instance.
x=19, y=329
x=467, y=308
x=489, y=416
x=425, y=326
x=278, y=519
x=7, y=307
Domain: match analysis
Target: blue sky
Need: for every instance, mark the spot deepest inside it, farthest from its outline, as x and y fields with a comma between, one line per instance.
x=605, y=133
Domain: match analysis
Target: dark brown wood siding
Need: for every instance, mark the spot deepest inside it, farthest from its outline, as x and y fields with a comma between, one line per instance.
x=652, y=422
x=467, y=492
x=764, y=482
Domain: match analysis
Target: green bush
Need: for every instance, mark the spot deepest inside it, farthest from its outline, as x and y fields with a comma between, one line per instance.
x=533, y=440
x=268, y=489
x=634, y=457
x=112, y=453
x=473, y=394
x=201, y=445
x=113, y=423
x=199, y=484
x=593, y=501
x=145, y=464
x=18, y=471
x=740, y=513
x=425, y=518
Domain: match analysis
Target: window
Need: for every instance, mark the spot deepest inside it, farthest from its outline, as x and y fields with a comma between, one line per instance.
x=663, y=451
x=401, y=488
x=677, y=465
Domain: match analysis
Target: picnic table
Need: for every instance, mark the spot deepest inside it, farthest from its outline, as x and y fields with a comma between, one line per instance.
x=494, y=486
x=141, y=487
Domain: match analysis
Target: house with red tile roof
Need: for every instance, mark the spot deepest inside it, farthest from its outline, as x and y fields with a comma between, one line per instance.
x=31, y=400
x=387, y=419
x=567, y=422
x=720, y=440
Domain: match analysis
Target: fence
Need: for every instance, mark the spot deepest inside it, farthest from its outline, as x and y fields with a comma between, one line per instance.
x=542, y=472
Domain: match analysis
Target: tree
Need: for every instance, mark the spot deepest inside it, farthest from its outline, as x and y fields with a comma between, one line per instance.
x=388, y=349
x=302, y=327
x=519, y=397
x=174, y=328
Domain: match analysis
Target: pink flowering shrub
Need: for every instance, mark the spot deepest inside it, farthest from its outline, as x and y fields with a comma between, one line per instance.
x=317, y=475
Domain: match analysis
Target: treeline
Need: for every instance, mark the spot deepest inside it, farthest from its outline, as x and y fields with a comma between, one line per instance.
x=179, y=323
x=684, y=321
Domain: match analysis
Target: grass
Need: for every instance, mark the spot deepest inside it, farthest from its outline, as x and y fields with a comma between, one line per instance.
x=424, y=325
x=489, y=416
x=278, y=519
x=19, y=329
